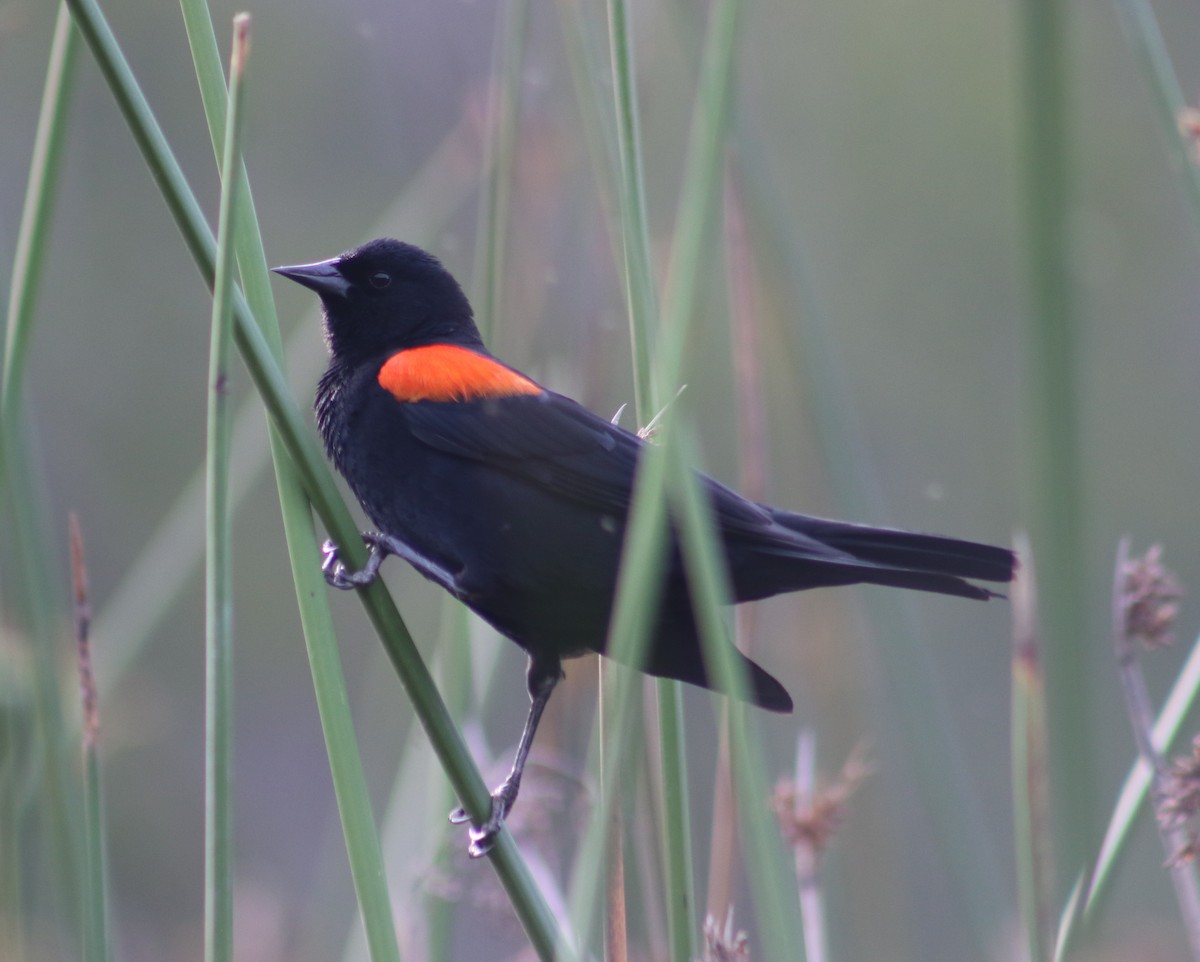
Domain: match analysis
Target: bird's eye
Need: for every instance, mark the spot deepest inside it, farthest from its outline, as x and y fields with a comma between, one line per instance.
x=379, y=280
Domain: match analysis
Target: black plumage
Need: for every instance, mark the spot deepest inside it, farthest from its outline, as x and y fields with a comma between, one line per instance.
x=515, y=498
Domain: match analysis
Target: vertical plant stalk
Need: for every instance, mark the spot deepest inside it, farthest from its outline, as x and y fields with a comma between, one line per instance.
x=504, y=108
x=1031, y=790
x=616, y=935
x=1145, y=37
x=166, y=564
x=40, y=196
x=696, y=212
x=643, y=557
x=500, y=142
x=585, y=60
x=723, y=844
x=642, y=305
x=60, y=826
x=361, y=840
x=311, y=479
x=615, y=686
x=709, y=585
x=1141, y=719
x=751, y=433
x=640, y=294
x=95, y=935
x=308, y=477
x=616, y=938
x=218, y=788
x=653, y=379
x=1053, y=488
x=809, y=816
x=812, y=901
x=38, y=582
x=680, y=887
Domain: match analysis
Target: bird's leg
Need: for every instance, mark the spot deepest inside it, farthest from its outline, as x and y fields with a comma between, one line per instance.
x=543, y=675
x=336, y=573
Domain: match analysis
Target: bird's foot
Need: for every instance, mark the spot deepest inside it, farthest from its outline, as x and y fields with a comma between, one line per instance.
x=337, y=575
x=483, y=836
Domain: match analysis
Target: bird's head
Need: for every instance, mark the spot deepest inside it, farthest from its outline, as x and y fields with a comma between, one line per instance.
x=386, y=296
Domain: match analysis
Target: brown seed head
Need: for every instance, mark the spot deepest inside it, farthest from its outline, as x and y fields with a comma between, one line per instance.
x=1179, y=801
x=810, y=820
x=1150, y=599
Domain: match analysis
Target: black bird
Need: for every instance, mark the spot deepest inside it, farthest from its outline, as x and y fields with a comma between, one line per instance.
x=515, y=499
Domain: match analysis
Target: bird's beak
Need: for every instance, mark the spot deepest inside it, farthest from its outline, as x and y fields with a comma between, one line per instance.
x=322, y=277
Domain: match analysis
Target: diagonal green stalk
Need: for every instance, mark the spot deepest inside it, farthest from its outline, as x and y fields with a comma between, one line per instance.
x=1068, y=921
x=1145, y=37
x=166, y=564
x=770, y=878
x=1177, y=839
x=316, y=480
x=248, y=337
x=150, y=587
x=361, y=837
x=1136, y=787
x=643, y=558
x=698, y=196
x=218, y=580
x=654, y=379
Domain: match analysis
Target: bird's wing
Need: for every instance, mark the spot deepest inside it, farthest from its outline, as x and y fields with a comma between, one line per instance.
x=545, y=439
x=557, y=444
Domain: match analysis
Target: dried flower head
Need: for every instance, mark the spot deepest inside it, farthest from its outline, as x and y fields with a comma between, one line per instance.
x=1149, y=600
x=809, y=820
x=1179, y=800
x=724, y=944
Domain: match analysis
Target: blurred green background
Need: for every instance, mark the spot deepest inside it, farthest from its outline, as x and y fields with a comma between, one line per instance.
x=882, y=143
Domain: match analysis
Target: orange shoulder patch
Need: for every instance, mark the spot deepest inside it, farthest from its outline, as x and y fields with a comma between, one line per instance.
x=446, y=372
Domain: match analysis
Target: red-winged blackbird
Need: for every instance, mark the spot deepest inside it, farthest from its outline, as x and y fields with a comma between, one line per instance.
x=515, y=499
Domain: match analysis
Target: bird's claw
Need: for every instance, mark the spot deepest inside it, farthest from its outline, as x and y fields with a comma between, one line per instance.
x=483, y=836
x=337, y=575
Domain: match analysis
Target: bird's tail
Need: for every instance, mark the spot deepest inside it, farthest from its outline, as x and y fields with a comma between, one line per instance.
x=901, y=559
